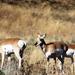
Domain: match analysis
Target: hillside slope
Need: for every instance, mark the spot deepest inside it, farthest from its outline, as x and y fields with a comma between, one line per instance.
x=56, y=20
x=19, y=21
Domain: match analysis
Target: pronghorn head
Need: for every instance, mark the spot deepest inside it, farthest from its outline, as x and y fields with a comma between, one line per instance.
x=22, y=45
x=40, y=40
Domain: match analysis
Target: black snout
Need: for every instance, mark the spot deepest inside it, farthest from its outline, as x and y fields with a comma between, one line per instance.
x=35, y=44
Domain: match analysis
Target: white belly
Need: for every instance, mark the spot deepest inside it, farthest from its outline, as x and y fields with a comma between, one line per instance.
x=7, y=48
x=48, y=54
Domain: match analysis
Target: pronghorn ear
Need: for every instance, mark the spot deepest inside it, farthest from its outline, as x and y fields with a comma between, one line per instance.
x=39, y=35
x=44, y=35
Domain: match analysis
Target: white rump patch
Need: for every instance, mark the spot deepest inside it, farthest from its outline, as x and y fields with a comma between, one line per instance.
x=7, y=48
x=21, y=43
x=70, y=51
x=47, y=54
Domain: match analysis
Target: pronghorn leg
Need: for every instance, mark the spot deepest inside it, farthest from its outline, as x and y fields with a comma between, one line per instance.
x=9, y=64
x=61, y=62
x=47, y=65
x=19, y=62
x=47, y=68
x=72, y=62
x=55, y=65
x=2, y=60
x=55, y=60
x=9, y=58
x=19, y=58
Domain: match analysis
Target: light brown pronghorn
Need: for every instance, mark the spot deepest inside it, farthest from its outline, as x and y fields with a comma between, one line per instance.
x=52, y=49
x=10, y=46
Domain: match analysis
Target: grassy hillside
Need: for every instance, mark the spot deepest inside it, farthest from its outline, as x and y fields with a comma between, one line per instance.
x=20, y=21
x=55, y=19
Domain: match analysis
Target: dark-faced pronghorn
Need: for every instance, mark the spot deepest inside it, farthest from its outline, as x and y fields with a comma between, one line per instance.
x=52, y=49
x=10, y=46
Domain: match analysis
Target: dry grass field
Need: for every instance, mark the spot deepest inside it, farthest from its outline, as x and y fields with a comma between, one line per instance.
x=58, y=22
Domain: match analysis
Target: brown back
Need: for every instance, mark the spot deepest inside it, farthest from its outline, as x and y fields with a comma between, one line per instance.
x=55, y=45
x=9, y=41
x=71, y=46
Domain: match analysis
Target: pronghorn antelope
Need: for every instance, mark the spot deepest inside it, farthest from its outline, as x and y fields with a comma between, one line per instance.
x=10, y=46
x=52, y=49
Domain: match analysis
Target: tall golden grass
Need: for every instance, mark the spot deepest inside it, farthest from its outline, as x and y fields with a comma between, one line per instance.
x=18, y=21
